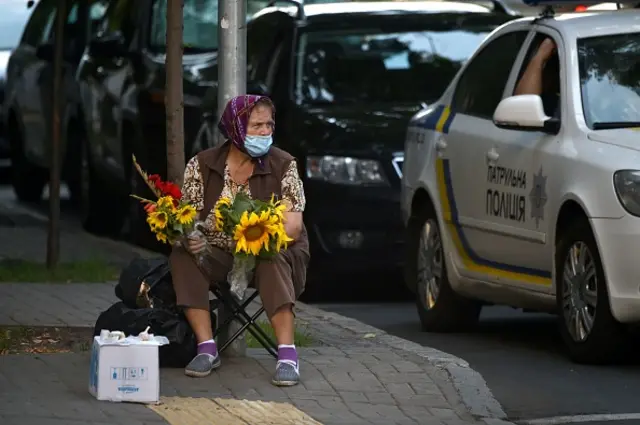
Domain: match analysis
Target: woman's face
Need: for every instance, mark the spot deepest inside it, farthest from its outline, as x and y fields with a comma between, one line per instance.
x=260, y=121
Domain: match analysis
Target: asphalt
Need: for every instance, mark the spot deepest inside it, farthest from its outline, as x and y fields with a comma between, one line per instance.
x=521, y=358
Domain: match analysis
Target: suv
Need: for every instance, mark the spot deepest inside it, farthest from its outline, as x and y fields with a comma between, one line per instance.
x=16, y=13
x=345, y=79
x=29, y=87
x=509, y=199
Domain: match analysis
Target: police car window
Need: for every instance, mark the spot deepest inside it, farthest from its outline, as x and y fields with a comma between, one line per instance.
x=550, y=75
x=398, y=63
x=610, y=80
x=480, y=88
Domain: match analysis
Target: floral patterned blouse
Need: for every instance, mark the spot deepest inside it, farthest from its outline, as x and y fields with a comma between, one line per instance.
x=193, y=192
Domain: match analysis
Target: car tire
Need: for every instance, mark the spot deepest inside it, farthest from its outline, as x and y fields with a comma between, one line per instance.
x=102, y=212
x=585, y=291
x=440, y=308
x=76, y=142
x=28, y=180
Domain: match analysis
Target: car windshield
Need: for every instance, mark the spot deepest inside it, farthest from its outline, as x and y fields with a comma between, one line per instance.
x=610, y=80
x=13, y=18
x=200, y=23
x=404, y=63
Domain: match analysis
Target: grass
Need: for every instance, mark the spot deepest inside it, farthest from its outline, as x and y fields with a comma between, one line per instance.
x=12, y=270
x=302, y=337
x=22, y=339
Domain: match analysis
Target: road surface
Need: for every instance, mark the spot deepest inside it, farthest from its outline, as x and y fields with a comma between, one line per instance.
x=521, y=358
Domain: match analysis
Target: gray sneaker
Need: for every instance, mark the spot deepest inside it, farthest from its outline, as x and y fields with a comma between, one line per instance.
x=202, y=365
x=286, y=374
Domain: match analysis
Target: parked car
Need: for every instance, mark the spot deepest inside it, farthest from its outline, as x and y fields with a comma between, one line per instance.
x=345, y=79
x=512, y=200
x=122, y=82
x=12, y=22
x=28, y=92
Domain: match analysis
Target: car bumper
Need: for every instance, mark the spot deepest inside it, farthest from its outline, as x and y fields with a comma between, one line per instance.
x=353, y=229
x=618, y=242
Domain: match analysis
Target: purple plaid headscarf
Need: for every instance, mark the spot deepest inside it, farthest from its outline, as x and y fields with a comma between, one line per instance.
x=234, y=120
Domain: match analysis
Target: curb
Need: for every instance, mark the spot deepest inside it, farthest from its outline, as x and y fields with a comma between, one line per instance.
x=468, y=383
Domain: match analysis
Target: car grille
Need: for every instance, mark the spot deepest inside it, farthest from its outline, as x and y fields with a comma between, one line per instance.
x=397, y=161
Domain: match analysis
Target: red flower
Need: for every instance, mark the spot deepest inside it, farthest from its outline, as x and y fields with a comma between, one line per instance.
x=172, y=190
x=149, y=208
x=166, y=188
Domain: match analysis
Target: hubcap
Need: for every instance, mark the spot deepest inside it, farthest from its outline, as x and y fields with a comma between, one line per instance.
x=430, y=264
x=579, y=291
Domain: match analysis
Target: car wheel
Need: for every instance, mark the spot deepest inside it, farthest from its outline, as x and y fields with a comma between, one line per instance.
x=28, y=180
x=100, y=207
x=440, y=308
x=589, y=330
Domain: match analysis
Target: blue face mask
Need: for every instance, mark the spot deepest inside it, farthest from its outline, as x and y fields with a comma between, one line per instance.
x=257, y=146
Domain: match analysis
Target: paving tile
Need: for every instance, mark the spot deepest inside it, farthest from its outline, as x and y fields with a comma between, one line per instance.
x=351, y=382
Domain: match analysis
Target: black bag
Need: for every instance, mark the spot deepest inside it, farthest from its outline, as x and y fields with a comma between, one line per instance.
x=146, y=282
x=182, y=342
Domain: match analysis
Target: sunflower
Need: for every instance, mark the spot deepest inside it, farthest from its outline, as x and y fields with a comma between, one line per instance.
x=277, y=208
x=252, y=233
x=166, y=202
x=219, y=220
x=223, y=201
x=158, y=219
x=186, y=214
x=161, y=237
x=281, y=237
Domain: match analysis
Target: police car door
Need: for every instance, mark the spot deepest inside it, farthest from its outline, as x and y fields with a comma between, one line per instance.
x=531, y=155
x=483, y=200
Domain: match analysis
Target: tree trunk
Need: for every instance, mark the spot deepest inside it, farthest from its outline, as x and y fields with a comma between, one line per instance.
x=53, y=238
x=174, y=96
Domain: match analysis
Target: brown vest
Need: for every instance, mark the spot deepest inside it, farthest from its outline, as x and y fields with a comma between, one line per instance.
x=264, y=181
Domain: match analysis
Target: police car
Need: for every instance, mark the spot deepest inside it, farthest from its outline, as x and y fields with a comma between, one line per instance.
x=531, y=197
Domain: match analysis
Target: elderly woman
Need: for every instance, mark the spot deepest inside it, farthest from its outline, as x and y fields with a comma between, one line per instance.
x=247, y=163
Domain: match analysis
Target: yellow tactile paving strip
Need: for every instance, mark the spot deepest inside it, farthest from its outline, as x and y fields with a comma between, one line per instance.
x=220, y=411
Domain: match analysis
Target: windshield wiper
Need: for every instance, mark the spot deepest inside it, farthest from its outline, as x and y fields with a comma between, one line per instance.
x=615, y=124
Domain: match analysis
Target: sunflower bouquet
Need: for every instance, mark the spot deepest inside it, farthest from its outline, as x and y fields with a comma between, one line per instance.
x=169, y=217
x=256, y=227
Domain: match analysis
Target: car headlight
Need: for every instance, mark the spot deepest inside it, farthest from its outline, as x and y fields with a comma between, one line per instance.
x=627, y=185
x=345, y=170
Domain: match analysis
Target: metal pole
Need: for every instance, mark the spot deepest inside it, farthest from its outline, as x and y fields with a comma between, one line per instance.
x=232, y=54
x=232, y=81
x=53, y=240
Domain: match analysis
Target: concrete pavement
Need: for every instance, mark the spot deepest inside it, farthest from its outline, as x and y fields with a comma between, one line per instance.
x=354, y=375
x=347, y=379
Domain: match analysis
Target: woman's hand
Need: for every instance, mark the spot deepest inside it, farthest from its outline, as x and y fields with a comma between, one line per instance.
x=196, y=245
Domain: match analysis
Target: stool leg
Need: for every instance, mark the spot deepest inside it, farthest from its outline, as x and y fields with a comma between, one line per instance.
x=238, y=312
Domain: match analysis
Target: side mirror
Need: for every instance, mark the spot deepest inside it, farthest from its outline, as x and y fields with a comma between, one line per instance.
x=524, y=113
x=108, y=46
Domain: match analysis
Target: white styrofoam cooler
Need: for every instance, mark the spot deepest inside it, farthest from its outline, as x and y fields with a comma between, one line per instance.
x=126, y=370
